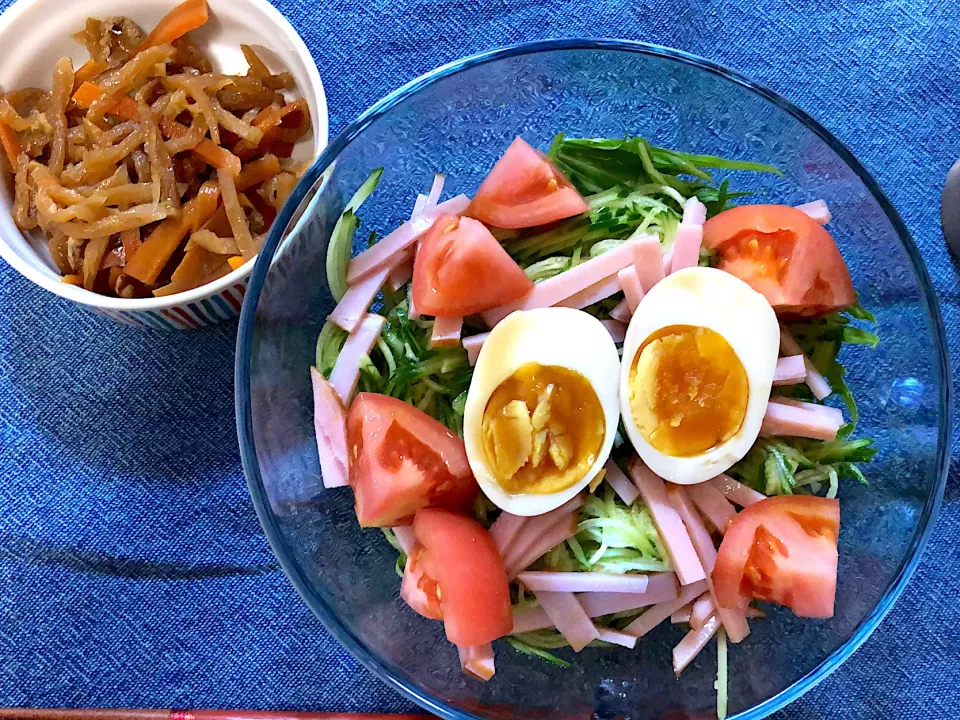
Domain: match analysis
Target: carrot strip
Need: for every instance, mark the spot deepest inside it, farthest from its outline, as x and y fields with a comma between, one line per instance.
x=124, y=106
x=74, y=279
x=152, y=256
x=86, y=94
x=236, y=262
x=130, y=239
x=11, y=145
x=258, y=171
x=175, y=24
x=207, y=150
x=90, y=69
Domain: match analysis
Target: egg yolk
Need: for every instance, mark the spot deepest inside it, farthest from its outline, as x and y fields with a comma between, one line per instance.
x=688, y=390
x=542, y=429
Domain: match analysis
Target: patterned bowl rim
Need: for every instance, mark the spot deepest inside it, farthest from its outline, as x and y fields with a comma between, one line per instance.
x=240, y=275
x=395, y=676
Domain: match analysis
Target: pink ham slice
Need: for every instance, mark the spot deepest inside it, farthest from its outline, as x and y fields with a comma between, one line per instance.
x=668, y=522
x=472, y=345
x=814, y=378
x=800, y=420
x=682, y=615
x=667, y=261
x=401, y=274
x=555, y=290
x=661, y=587
x=569, y=618
x=346, y=371
x=661, y=611
x=593, y=294
x=622, y=312
x=790, y=370
x=353, y=305
x=733, y=621
x=435, y=189
x=620, y=483
x=477, y=660
x=330, y=425
x=686, y=245
x=617, y=329
x=446, y=332
x=385, y=252
x=693, y=642
x=701, y=611
x=817, y=210
x=736, y=492
x=405, y=538
x=648, y=261
x=504, y=529
x=616, y=637
x=632, y=288
x=536, y=542
x=713, y=505
x=582, y=582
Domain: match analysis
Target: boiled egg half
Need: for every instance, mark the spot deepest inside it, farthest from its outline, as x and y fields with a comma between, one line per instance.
x=542, y=409
x=698, y=363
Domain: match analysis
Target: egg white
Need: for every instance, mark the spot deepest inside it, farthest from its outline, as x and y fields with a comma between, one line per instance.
x=556, y=336
x=713, y=299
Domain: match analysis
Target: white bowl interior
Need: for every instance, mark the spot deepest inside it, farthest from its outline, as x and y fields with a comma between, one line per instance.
x=34, y=34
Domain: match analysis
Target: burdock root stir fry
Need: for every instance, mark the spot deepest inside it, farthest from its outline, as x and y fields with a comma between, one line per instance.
x=149, y=172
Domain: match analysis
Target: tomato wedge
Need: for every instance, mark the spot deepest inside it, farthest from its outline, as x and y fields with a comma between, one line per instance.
x=525, y=189
x=419, y=591
x=460, y=557
x=784, y=550
x=402, y=460
x=461, y=269
x=784, y=254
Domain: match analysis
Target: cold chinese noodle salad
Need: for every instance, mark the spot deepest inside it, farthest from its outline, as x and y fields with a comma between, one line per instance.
x=602, y=394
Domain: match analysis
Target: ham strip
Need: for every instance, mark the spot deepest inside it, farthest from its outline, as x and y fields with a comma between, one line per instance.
x=667, y=261
x=555, y=290
x=661, y=587
x=620, y=483
x=401, y=274
x=632, y=288
x=713, y=505
x=616, y=637
x=790, y=370
x=539, y=542
x=330, y=425
x=593, y=294
x=682, y=615
x=686, y=245
x=668, y=523
x=569, y=618
x=693, y=642
x=434, y=197
x=617, y=330
x=354, y=304
x=386, y=250
x=817, y=210
x=446, y=332
x=701, y=611
x=788, y=418
x=736, y=491
x=648, y=261
x=405, y=538
x=582, y=582
x=477, y=660
x=661, y=611
x=734, y=621
x=472, y=345
x=505, y=529
x=621, y=312
x=815, y=380
x=346, y=371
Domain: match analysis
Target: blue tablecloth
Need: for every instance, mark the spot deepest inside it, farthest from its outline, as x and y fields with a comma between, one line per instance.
x=134, y=572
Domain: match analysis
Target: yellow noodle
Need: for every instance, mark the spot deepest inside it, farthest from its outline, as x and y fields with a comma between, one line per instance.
x=96, y=162
x=118, y=222
x=238, y=127
x=214, y=243
x=21, y=204
x=92, y=257
x=236, y=215
x=141, y=66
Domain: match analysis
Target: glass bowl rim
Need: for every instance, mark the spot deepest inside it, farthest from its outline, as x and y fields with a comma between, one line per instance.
x=367, y=657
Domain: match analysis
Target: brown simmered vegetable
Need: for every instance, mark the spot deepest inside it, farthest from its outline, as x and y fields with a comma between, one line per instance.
x=149, y=172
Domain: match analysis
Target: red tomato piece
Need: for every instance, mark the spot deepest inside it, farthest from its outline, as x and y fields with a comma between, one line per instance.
x=418, y=590
x=461, y=269
x=525, y=189
x=401, y=461
x=784, y=254
x=784, y=550
x=462, y=558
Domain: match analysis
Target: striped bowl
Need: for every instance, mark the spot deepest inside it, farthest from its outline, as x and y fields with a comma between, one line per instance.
x=36, y=33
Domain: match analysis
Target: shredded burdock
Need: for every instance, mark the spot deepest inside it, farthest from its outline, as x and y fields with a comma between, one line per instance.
x=149, y=172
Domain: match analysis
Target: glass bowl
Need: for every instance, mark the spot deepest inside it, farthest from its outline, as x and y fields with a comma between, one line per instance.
x=458, y=120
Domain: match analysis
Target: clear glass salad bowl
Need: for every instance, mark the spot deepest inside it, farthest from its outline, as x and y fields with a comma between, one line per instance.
x=458, y=120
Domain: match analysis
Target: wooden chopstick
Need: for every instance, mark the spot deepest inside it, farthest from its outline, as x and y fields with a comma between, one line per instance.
x=135, y=714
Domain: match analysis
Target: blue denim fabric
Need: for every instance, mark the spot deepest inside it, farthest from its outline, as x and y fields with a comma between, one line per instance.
x=133, y=571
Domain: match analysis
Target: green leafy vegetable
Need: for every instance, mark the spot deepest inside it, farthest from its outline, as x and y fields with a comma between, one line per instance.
x=341, y=239
x=524, y=648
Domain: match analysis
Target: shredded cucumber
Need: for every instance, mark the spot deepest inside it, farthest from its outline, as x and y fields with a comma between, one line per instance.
x=341, y=239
